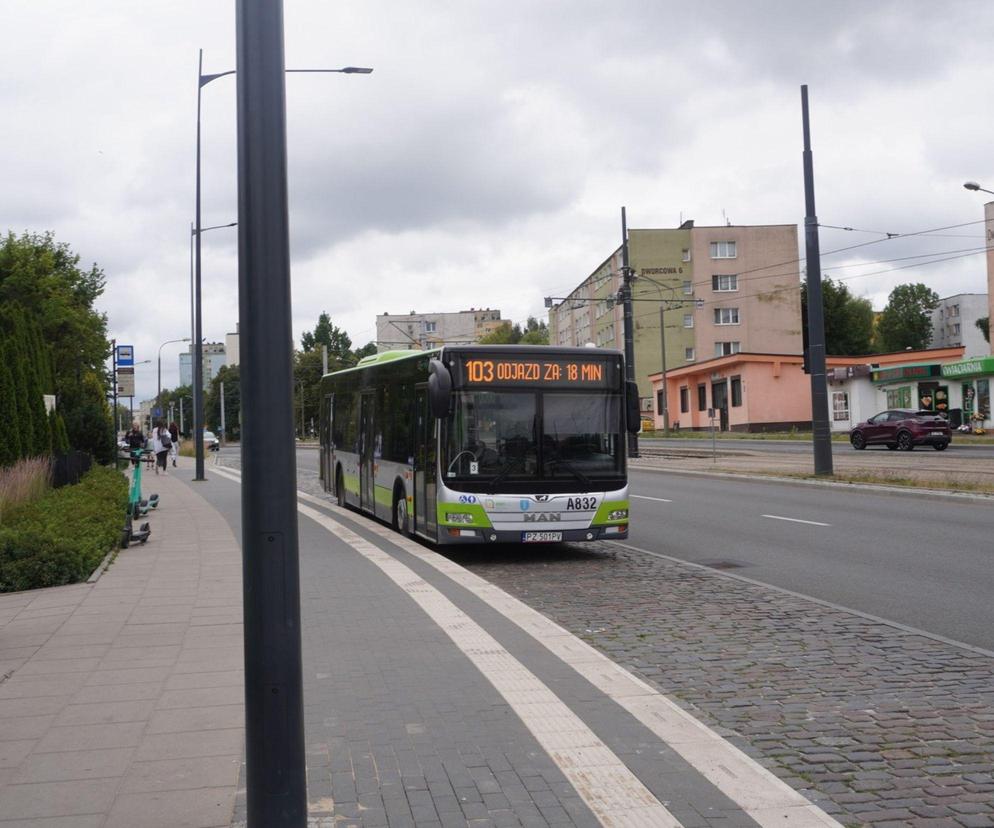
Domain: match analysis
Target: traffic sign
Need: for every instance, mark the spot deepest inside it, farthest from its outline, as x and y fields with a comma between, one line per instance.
x=125, y=355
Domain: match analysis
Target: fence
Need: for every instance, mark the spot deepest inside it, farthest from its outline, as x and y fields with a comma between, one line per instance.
x=67, y=469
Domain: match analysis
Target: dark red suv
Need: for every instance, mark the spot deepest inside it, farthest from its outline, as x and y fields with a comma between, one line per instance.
x=903, y=430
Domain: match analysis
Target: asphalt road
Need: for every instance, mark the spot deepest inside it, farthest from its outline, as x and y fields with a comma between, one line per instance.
x=917, y=559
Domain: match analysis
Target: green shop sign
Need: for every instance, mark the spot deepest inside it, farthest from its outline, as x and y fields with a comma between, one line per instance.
x=969, y=367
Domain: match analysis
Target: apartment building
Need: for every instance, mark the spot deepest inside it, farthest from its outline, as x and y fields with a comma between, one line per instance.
x=214, y=356
x=954, y=322
x=431, y=330
x=722, y=290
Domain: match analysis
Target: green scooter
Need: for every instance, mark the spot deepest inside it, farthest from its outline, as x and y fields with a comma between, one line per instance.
x=137, y=507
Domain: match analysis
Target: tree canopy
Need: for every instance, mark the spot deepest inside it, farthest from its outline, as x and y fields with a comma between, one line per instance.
x=337, y=341
x=848, y=319
x=535, y=332
x=984, y=324
x=906, y=321
x=54, y=342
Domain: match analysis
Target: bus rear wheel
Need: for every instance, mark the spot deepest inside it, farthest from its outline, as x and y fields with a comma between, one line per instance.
x=401, y=518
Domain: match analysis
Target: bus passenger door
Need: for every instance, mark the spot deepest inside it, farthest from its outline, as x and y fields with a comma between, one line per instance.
x=424, y=506
x=327, y=447
x=366, y=441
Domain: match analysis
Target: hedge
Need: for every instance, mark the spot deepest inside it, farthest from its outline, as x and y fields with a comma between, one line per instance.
x=61, y=537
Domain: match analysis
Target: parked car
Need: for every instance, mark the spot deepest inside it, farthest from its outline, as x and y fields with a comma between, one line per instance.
x=211, y=443
x=900, y=429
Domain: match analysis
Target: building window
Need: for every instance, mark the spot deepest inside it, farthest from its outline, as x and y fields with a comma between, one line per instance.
x=840, y=406
x=899, y=397
x=724, y=282
x=659, y=403
x=431, y=327
x=723, y=250
x=688, y=320
x=688, y=288
x=956, y=328
x=954, y=310
x=684, y=399
x=736, y=392
x=726, y=316
x=688, y=354
x=702, y=398
x=726, y=348
x=686, y=254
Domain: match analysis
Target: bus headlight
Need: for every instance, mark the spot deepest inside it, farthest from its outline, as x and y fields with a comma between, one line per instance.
x=618, y=514
x=458, y=517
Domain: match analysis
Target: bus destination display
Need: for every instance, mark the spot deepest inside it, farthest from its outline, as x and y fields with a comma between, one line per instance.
x=556, y=373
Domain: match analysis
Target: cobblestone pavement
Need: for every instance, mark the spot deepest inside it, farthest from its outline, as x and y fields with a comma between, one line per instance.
x=893, y=728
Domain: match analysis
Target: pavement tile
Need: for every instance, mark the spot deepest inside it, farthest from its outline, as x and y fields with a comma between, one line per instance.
x=106, y=712
x=182, y=774
x=59, y=799
x=215, y=717
x=200, y=808
x=190, y=744
x=86, y=737
x=74, y=765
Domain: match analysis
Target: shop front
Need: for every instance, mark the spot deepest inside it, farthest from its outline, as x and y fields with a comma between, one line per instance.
x=971, y=382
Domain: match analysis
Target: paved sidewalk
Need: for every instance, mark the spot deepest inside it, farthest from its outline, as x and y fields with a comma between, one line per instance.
x=121, y=701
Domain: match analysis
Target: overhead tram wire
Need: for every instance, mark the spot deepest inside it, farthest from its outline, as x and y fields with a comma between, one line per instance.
x=786, y=288
x=887, y=237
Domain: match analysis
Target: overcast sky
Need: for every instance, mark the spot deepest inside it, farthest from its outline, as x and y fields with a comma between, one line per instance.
x=485, y=161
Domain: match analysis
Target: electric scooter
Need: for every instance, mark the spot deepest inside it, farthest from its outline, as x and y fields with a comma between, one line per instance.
x=137, y=507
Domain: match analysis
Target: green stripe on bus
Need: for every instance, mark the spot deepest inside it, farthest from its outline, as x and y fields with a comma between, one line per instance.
x=608, y=506
x=477, y=516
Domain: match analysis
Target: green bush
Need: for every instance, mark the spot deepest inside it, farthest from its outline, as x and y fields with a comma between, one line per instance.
x=61, y=537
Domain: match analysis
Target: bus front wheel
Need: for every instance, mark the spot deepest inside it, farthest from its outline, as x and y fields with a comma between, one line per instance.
x=401, y=518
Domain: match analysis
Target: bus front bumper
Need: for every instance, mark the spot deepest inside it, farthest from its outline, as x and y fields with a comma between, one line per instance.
x=460, y=535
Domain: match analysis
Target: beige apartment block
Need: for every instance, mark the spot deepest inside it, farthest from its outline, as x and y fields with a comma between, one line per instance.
x=722, y=290
x=422, y=331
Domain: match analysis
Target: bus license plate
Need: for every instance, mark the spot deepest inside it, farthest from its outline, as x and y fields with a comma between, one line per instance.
x=541, y=537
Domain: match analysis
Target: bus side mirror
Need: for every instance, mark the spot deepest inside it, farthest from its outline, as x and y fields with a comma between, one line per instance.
x=439, y=389
x=633, y=416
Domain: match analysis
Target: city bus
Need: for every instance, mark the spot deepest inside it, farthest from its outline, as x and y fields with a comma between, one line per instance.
x=483, y=444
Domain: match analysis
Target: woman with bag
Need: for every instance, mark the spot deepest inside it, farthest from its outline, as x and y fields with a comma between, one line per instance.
x=162, y=442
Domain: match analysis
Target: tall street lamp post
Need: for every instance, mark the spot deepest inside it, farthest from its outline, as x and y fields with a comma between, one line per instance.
x=198, y=404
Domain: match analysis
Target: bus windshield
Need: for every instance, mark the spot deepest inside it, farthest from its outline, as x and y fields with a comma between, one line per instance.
x=519, y=435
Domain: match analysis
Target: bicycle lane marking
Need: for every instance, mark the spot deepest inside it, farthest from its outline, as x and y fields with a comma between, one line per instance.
x=764, y=797
x=615, y=795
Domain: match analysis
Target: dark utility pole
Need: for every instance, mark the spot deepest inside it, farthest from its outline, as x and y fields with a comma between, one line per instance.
x=117, y=419
x=626, y=298
x=274, y=715
x=816, y=313
x=197, y=352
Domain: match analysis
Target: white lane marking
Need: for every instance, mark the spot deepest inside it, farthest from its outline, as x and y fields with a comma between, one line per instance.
x=615, y=795
x=796, y=520
x=768, y=800
x=646, y=497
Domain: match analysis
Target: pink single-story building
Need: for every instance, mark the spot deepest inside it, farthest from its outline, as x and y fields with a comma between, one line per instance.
x=763, y=392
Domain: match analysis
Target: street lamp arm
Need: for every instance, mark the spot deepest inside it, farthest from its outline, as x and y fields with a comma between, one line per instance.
x=206, y=79
x=345, y=70
x=193, y=230
x=973, y=185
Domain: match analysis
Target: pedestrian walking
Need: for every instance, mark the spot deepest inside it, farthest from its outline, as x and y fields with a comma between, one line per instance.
x=135, y=440
x=162, y=442
x=174, y=451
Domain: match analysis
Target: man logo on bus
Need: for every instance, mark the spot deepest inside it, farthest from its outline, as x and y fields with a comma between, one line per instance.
x=524, y=504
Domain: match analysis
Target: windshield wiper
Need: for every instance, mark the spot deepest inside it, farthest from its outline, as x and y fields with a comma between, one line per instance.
x=508, y=466
x=579, y=475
